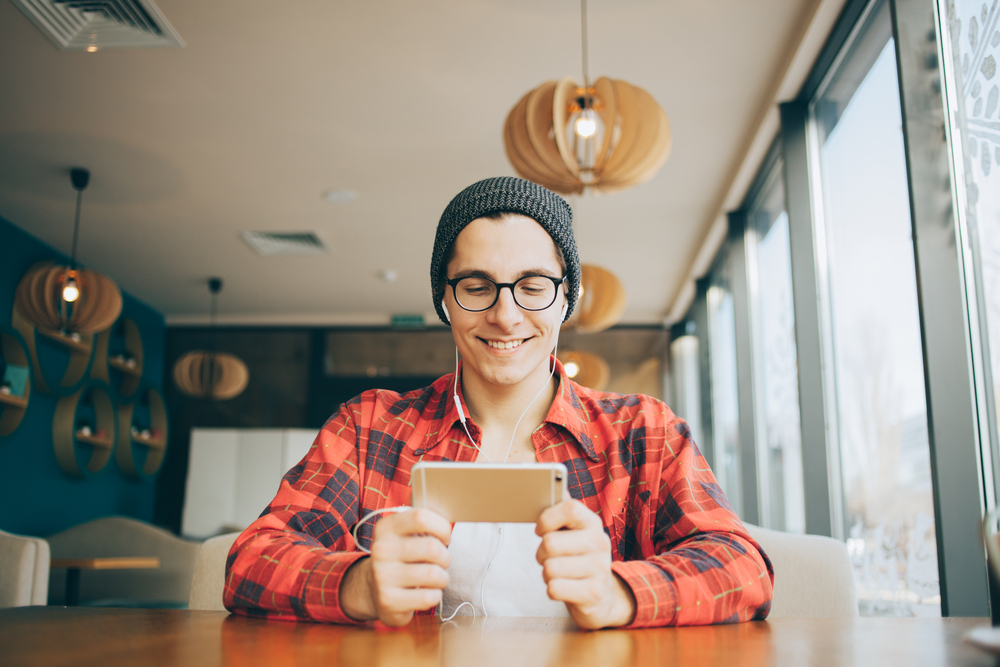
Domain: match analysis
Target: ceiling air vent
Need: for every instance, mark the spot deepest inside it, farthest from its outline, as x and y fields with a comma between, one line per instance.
x=285, y=243
x=101, y=24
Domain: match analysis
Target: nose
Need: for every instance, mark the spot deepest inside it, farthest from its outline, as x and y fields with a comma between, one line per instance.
x=505, y=313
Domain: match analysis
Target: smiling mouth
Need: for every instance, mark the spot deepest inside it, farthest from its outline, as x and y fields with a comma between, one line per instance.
x=502, y=344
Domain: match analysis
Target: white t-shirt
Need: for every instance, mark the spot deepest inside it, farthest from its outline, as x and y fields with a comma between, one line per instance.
x=513, y=585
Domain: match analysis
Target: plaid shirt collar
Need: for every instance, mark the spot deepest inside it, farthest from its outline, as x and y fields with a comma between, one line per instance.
x=566, y=412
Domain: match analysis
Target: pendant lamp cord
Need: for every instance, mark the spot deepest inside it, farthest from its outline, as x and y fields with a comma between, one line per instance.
x=583, y=30
x=76, y=228
x=212, y=344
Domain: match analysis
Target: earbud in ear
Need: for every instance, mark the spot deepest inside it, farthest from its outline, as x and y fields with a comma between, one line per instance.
x=562, y=315
x=447, y=315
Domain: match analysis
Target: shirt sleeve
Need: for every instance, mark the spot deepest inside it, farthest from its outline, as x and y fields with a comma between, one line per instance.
x=289, y=563
x=705, y=567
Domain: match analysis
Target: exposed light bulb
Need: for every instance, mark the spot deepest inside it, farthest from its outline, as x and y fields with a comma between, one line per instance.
x=585, y=125
x=71, y=292
x=92, y=48
x=572, y=369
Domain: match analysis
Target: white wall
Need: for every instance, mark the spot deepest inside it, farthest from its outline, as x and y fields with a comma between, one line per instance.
x=233, y=474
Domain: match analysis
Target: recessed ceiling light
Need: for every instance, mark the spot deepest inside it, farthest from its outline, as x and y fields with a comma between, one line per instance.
x=340, y=196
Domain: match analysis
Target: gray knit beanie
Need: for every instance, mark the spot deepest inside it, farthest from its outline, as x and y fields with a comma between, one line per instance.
x=514, y=195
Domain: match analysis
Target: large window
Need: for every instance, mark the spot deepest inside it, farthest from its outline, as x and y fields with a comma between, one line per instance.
x=775, y=361
x=825, y=304
x=875, y=339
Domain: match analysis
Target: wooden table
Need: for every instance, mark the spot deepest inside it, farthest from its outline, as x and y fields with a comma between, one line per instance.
x=74, y=565
x=81, y=636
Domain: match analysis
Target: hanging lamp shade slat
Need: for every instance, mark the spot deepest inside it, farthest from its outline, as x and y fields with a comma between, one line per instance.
x=102, y=307
x=538, y=119
x=629, y=121
x=218, y=375
x=650, y=148
x=521, y=151
x=633, y=145
x=39, y=299
x=563, y=95
x=522, y=140
x=604, y=90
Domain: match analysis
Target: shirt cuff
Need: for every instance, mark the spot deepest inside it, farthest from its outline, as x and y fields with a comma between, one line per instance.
x=655, y=598
x=321, y=593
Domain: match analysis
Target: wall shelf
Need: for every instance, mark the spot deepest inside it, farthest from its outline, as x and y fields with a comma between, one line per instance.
x=106, y=443
x=15, y=401
x=152, y=443
x=90, y=405
x=140, y=456
x=13, y=351
x=124, y=367
x=75, y=344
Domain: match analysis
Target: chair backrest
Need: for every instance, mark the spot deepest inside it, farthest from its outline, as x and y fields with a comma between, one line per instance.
x=24, y=570
x=813, y=576
x=210, y=573
x=123, y=536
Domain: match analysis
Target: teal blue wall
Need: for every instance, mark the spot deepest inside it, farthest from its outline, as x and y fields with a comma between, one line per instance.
x=36, y=496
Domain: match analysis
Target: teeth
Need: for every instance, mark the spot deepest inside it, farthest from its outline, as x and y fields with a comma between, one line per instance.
x=502, y=345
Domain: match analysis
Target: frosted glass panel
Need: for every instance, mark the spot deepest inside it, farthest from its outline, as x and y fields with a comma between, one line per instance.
x=974, y=32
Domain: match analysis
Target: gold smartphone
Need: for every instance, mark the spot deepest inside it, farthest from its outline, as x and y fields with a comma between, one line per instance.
x=508, y=492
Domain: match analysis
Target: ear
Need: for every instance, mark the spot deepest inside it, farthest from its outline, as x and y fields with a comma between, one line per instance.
x=562, y=315
x=447, y=315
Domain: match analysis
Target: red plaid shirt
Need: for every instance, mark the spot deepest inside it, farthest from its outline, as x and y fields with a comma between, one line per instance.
x=675, y=539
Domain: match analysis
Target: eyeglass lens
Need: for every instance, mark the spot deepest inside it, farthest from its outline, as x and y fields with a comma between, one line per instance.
x=530, y=292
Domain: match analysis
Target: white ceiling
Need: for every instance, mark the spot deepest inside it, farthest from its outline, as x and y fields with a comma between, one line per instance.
x=271, y=103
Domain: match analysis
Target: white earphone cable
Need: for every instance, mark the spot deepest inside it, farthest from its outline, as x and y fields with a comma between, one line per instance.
x=354, y=532
x=461, y=416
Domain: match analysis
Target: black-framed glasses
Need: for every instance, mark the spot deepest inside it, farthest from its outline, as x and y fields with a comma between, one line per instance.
x=477, y=293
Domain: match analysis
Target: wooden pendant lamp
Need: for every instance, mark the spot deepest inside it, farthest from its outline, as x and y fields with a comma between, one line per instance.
x=602, y=301
x=211, y=374
x=604, y=137
x=587, y=369
x=69, y=298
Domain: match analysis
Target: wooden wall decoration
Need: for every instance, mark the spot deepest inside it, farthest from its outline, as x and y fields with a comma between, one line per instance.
x=632, y=141
x=118, y=357
x=12, y=406
x=142, y=434
x=217, y=375
x=39, y=300
x=86, y=421
x=602, y=300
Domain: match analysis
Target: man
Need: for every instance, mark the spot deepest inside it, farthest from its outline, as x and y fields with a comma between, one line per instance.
x=647, y=539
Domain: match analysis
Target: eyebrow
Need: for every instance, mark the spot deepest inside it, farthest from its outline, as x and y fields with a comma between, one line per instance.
x=469, y=273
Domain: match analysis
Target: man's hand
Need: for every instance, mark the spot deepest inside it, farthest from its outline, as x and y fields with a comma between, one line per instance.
x=575, y=555
x=406, y=571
